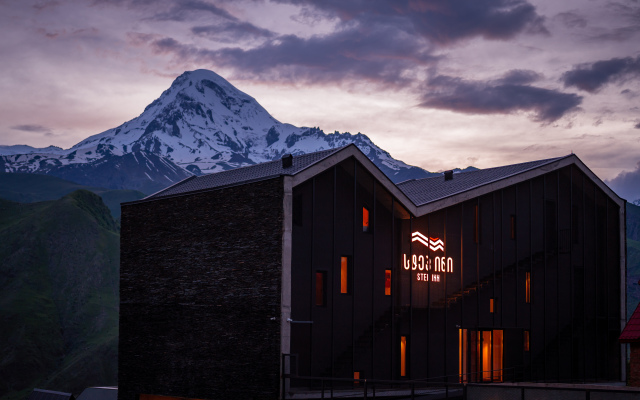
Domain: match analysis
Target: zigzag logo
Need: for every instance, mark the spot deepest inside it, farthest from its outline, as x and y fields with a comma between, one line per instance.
x=431, y=243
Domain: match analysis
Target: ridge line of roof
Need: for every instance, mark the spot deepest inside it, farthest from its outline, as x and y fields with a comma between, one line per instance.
x=548, y=161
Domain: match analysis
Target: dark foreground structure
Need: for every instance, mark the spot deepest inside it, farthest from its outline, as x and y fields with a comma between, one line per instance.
x=320, y=266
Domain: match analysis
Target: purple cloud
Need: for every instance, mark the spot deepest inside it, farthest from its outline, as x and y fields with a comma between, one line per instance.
x=627, y=184
x=592, y=77
x=441, y=21
x=30, y=128
x=496, y=97
x=384, y=56
x=232, y=31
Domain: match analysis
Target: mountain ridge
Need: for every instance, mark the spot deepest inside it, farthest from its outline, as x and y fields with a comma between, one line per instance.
x=200, y=124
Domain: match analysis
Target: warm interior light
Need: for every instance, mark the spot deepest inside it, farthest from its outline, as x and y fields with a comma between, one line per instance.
x=491, y=305
x=497, y=355
x=356, y=375
x=462, y=354
x=403, y=356
x=387, y=282
x=486, y=355
x=526, y=340
x=344, y=269
x=320, y=288
x=365, y=219
x=513, y=226
x=527, y=287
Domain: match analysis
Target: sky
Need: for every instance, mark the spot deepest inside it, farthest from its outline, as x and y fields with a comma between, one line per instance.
x=437, y=83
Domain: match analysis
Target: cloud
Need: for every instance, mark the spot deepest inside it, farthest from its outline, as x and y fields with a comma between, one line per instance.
x=187, y=9
x=441, y=21
x=571, y=19
x=496, y=97
x=637, y=125
x=592, y=77
x=30, y=128
x=382, y=56
x=520, y=77
x=627, y=184
x=232, y=31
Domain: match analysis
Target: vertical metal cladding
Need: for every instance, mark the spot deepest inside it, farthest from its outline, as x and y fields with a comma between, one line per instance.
x=534, y=261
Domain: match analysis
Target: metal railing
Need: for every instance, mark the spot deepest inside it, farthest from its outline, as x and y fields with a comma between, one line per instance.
x=442, y=387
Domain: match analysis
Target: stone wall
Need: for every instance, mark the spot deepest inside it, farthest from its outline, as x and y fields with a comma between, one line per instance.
x=200, y=282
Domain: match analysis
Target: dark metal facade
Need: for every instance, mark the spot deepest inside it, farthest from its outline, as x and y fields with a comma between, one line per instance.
x=539, y=259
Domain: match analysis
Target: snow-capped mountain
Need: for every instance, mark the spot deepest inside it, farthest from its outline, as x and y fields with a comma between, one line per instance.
x=201, y=124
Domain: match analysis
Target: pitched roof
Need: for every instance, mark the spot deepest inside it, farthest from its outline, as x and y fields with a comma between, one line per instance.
x=426, y=190
x=41, y=394
x=631, y=331
x=237, y=176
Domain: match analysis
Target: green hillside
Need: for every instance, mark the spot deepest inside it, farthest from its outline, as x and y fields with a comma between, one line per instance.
x=31, y=188
x=58, y=295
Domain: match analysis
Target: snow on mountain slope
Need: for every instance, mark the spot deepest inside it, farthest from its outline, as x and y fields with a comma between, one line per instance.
x=203, y=124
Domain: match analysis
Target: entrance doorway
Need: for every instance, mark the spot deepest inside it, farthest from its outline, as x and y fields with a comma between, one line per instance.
x=480, y=355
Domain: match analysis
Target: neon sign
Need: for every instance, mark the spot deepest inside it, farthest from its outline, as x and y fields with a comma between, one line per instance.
x=423, y=262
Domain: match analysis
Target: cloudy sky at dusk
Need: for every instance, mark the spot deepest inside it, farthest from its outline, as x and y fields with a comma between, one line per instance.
x=437, y=83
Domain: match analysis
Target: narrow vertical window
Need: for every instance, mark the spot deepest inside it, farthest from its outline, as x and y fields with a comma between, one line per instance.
x=476, y=224
x=513, y=226
x=403, y=356
x=344, y=275
x=365, y=220
x=387, y=282
x=321, y=288
x=491, y=305
x=526, y=340
x=527, y=287
x=356, y=375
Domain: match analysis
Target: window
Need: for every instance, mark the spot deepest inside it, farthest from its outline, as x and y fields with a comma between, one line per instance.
x=344, y=275
x=513, y=226
x=321, y=288
x=527, y=287
x=365, y=220
x=356, y=376
x=491, y=305
x=387, y=282
x=403, y=356
x=526, y=340
x=476, y=224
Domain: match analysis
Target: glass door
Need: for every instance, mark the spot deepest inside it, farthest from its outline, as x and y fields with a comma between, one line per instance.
x=480, y=355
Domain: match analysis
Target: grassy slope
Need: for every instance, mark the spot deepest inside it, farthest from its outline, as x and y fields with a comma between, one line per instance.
x=30, y=188
x=58, y=295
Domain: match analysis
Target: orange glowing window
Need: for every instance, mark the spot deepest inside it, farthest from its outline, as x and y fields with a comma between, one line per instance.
x=527, y=287
x=526, y=340
x=321, y=288
x=344, y=275
x=365, y=219
x=403, y=356
x=491, y=305
x=356, y=374
x=387, y=282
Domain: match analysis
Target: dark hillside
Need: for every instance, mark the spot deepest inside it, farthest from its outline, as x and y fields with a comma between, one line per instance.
x=58, y=295
x=30, y=188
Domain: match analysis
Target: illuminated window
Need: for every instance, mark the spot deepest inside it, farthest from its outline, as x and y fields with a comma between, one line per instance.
x=365, y=220
x=356, y=375
x=387, y=282
x=527, y=287
x=403, y=356
x=526, y=340
x=491, y=305
x=513, y=226
x=476, y=224
x=344, y=275
x=321, y=288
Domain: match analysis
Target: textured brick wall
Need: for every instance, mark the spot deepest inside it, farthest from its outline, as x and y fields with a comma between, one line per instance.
x=634, y=365
x=200, y=281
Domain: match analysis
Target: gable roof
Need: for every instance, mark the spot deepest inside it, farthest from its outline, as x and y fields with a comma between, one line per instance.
x=631, y=331
x=426, y=190
x=419, y=196
x=241, y=175
x=41, y=394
